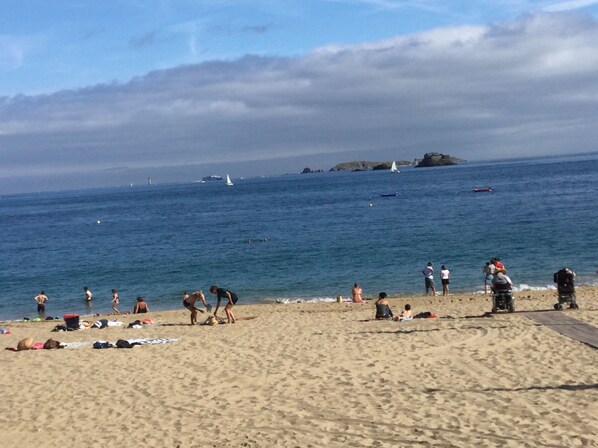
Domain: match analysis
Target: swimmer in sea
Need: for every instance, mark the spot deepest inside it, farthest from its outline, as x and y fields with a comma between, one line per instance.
x=41, y=300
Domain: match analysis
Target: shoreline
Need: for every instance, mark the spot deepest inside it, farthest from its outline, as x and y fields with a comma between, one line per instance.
x=536, y=296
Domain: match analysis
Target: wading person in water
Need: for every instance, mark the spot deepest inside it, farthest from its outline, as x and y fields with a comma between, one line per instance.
x=88, y=295
x=41, y=300
x=232, y=298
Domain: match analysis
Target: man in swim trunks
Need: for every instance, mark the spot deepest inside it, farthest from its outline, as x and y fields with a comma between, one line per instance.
x=232, y=298
x=88, y=295
x=41, y=300
x=189, y=303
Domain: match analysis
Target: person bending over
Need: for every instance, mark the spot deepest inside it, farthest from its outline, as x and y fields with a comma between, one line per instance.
x=232, y=299
x=189, y=303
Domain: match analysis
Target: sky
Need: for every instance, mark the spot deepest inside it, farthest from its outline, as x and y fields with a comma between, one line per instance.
x=106, y=93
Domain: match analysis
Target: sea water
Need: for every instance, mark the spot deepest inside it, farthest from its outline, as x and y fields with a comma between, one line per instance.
x=299, y=237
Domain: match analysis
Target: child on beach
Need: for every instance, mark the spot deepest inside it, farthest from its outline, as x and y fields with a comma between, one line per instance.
x=115, y=301
x=406, y=314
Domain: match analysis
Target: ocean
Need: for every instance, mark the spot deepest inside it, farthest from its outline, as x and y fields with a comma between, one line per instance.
x=299, y=237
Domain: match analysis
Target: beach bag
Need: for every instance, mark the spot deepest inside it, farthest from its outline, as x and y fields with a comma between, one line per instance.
x=121, y=343
x=71, y=321
x=51, y=344
x=102, y=344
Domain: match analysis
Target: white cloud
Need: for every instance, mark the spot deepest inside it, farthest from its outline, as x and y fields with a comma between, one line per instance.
x=570, y=5
x=526, y=87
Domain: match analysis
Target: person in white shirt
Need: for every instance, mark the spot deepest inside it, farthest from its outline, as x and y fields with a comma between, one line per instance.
x=428, y=272
x=445, y=275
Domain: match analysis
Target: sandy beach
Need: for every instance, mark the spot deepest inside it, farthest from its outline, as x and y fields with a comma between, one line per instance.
x=311, y=375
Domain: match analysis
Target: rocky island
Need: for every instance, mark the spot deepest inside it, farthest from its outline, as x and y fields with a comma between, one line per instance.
x=437, y=159
x=364, y=165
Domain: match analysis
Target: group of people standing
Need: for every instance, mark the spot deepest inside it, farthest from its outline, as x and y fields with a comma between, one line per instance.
x=428, y=273
x=495, y=276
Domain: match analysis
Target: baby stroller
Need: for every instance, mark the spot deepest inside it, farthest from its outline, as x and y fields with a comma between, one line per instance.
x=502, y=299
x=566, y=288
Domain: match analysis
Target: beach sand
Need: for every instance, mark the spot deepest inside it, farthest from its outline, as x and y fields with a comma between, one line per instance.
x=311, y=375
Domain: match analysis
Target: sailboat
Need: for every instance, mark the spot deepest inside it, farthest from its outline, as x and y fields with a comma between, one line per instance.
x=228, y=181
x=393, y=167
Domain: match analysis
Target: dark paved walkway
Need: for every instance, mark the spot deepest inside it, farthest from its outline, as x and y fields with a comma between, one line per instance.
x=566, y=325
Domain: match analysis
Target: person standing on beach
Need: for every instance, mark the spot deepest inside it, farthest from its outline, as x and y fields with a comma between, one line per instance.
x=41, y=300
x=115, y=301
x=356, y=293
x=189, y=303
x=445, y=275
x=488, y=271
x=232, y=298
x=428, y=272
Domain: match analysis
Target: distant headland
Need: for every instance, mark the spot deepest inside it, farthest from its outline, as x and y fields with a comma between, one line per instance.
x=429, y=159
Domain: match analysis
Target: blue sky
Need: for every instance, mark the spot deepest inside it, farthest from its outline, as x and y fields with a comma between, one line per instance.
x=105, y=86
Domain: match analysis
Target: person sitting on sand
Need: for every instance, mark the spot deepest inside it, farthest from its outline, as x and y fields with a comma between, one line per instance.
x=140, y=306
x=41, y=300
x=406, y=314
x=383, y=311
x=356, y=293
x=232, y=298
x=189, y=303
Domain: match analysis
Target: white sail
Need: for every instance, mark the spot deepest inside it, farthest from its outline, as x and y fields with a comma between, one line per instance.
x=393, y=167
x=228, y=181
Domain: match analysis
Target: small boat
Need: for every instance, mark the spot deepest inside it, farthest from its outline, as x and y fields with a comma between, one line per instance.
x=228, y=181
x=482, y=190
x=393, y=167
x=212, y=177
x=389, y=195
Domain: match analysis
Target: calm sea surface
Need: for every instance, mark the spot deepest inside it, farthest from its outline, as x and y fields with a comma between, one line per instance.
x=312, y=235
